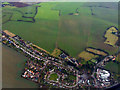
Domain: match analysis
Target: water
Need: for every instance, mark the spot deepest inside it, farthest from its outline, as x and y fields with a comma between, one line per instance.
x=12, y=66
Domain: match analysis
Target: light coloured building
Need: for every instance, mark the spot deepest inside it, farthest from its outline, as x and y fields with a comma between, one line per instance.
x=103, y=75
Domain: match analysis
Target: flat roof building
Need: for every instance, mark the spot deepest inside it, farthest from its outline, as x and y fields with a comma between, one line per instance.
x=9, y=33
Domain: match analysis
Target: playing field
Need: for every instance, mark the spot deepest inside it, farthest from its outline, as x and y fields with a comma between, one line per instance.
x=53, y=77
x=74, y=26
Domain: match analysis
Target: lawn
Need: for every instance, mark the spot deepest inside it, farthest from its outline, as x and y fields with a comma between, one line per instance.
x=53, y=77
x=112, y=66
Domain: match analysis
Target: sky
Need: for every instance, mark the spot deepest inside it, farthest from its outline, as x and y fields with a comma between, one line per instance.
x=60, y=0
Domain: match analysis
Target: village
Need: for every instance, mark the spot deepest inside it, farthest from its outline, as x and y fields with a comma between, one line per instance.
x=60, y=71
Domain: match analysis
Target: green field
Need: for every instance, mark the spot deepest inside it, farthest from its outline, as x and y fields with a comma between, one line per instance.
x=56, y=52
x=87, y=56
x=111, y=38
x=112, y=66
x=118, y=57
x=78, y=32
x=24, y=13
x=6, y=17
x=67, y=7
x=105, y=14
x=70, y=78
x=73, y=33
x=6, y=3
x=53, y=77
x=46, y=12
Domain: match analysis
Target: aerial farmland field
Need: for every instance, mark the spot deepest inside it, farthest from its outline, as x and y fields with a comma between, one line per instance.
x=74, y=26
x=66, y=44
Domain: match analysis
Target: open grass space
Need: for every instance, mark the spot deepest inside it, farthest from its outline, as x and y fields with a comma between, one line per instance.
x=7, y=3
x=24, y=13
x=111, y=37
x=56, y=52
x=70, y=79
x=46, y=12
x=73, y=33
x=67, y=7
x=84, y=11
x=106, y=13
x=94, y=60
x=118, y=57
x=96, y=51
x=78, y=32
x=28, y=11
x=112, y=66
x=6, y=17
x=87, y=56
x=42, y=33
x=70, y=26
x=53, y=77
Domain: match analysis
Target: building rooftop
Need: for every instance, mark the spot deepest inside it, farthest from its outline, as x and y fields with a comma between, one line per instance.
x=9, y=33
